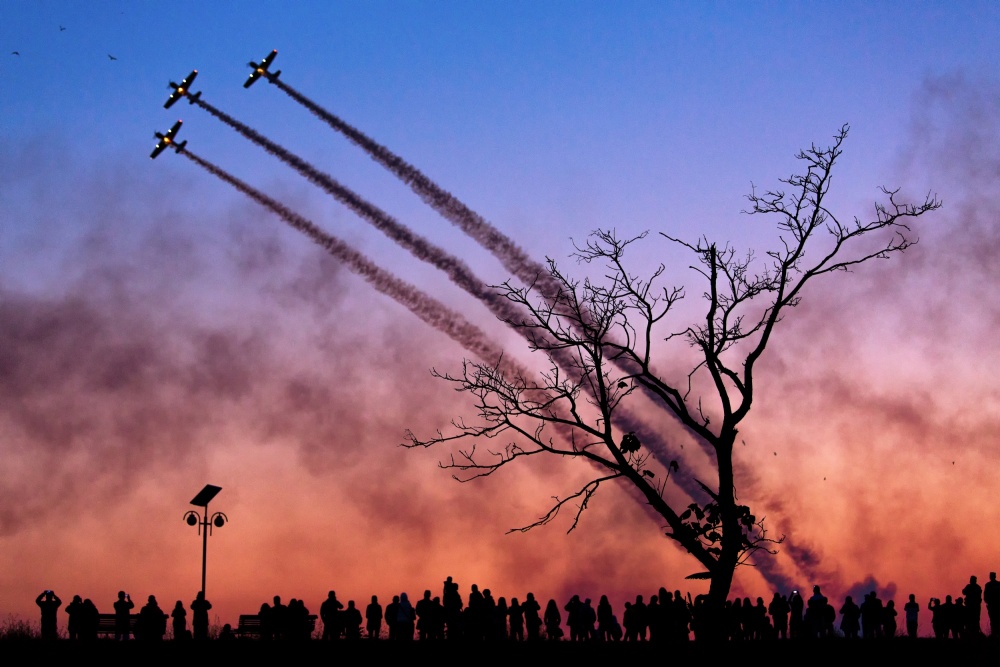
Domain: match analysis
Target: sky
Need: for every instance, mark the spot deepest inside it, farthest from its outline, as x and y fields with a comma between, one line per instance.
x=160, y=331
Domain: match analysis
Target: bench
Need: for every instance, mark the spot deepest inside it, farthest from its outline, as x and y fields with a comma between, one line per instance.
x=249, y=625
x=106, y=624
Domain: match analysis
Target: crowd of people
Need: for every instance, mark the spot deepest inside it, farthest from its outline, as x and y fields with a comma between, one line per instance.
x=666, y=616
x=150, y=623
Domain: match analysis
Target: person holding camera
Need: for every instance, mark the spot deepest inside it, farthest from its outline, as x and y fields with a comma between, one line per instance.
x=49, y=603
x=123, y=616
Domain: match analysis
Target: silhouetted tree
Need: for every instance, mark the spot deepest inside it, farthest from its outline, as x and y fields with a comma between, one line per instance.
x=601, y=337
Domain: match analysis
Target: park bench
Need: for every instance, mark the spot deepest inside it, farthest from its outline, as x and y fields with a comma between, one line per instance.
x=249, y=625
x=106, y=624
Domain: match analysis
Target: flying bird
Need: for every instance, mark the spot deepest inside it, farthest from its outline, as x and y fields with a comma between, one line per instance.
x=112, y=57
x=62, y=29
x=15, y=53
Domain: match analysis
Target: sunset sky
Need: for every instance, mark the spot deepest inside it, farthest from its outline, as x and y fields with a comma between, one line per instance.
x=160, y=331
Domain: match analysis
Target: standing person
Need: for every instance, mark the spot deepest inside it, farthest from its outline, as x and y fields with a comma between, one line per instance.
x=373, y=617
x=452, y=601
x=553, y=621
x=973, y=593
x=516, y=614
x=76, y=617
x=889, y=619
x=991, y=596
x=532, y=620
x=152, y=621
x=850, y=614
x=329, y=611
x=406, y=618
x=179, y=614
x=779, y=610
x=91, y=619
x=797, y=606
x=604, y=615
x=199, y=616
x=49, y=603
x=391, y=617
x=351, y=621
x=912, y=611
x=123, y=616
x=279, y=618
x=424, y=613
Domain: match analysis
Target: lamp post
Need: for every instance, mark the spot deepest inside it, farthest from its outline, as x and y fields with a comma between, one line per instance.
x=205, y=521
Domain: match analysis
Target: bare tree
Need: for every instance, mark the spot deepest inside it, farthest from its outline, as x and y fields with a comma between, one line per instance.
x=601, y=337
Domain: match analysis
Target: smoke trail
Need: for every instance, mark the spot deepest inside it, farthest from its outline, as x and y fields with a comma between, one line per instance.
x=456, y=270
x=423, y=249
x=463, y=277
x=513, y=258
x=418, y=246
x=427, y=308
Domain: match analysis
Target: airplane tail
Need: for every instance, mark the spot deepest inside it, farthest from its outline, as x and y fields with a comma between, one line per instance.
x=193, y=97
x=180, y=147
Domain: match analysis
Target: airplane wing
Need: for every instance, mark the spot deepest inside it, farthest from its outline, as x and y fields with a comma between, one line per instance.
x=180, y=89
x=166, y=140
x=260, y=69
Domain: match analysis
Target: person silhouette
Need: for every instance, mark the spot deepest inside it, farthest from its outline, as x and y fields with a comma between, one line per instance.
x=330, y=612
x=779, y=610
x=424, y=611
x=373, y=618
x=266, y=620
x=991, y=596
x=797, y=606
x=516, y=615
x=553, y=621
x=392, y=617
x=179, y=614
x=199, y=616
x=152, y=621
x=973, y=593
x=48, y=602
x=405, y=618
x=452, y=601
x=889, y=615
x=279, y=618
x=91, y=619
x=76, y=613
x=532, y=619
x=912, y=611
x=352, y=621
x=850, y=615
x=123, y=616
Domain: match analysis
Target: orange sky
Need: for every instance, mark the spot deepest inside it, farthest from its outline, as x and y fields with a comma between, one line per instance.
x=242, y=357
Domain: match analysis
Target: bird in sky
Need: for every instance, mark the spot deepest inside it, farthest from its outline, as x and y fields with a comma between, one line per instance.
x=15, y=53
x=111, y=57
x=62, y=28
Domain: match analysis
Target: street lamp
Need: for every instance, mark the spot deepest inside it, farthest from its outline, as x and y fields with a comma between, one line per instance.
x=205, y=521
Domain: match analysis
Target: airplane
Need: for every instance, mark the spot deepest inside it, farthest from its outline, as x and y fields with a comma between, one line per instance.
x=168, y=140
x=260, y=69
x=181, y=89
